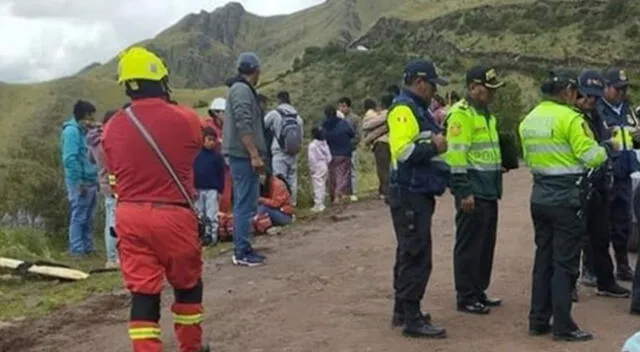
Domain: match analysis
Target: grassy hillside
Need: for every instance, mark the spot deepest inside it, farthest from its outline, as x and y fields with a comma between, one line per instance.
x=523, y=39
x=201, y=48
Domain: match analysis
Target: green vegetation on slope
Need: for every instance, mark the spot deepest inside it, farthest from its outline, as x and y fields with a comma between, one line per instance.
x=523, y=39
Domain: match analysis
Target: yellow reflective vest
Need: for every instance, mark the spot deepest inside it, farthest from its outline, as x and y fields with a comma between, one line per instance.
x=474, y=152
x=558, y=147
x=415, y=162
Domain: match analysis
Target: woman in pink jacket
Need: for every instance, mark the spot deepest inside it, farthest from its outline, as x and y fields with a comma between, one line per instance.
x=319, y=157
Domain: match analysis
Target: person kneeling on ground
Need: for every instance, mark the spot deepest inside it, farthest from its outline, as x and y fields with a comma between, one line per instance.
x=275, y=200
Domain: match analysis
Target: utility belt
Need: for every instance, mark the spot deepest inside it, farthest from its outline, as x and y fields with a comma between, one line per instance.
x=157, y=204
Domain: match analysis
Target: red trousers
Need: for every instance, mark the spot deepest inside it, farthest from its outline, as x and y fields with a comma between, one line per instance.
x=157, y=241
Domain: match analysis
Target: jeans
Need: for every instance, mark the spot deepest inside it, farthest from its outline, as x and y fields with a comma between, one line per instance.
x=286, y=165
x=354, y=172
x=109, y=223
x=82, y=207
x=246, y=189
x=278, y=218
x=207, y=203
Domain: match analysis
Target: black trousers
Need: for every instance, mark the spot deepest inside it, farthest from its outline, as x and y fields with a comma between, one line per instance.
x=620, y=215
x=474, y=249
x=559, y=237
x=383, y=158
x=596, y=253
x=411, y=214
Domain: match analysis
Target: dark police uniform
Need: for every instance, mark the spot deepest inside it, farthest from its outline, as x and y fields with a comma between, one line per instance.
x=418, y=174
x=622, y=119
x=596, y=258
x=558, y=148
x=476, y=171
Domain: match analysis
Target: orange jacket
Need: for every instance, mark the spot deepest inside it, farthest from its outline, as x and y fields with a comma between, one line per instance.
x=278, y=197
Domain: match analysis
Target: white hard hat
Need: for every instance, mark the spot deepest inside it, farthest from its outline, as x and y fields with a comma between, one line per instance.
x=218, y=104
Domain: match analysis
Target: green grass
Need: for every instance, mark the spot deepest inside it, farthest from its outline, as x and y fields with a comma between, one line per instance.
x=36, y=296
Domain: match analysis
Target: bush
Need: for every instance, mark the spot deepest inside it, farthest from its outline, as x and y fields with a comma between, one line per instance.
x=200, y=104
x=632, y=32
x=25, y=243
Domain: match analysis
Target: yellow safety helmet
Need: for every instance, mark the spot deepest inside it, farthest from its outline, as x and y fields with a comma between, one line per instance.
x=140, y=63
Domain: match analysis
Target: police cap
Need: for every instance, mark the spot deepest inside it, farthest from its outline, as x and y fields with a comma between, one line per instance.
x=484, y=75
x=424, y=69
x=591, y=83
x=616, y=77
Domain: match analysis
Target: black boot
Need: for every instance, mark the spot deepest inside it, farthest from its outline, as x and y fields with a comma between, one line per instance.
x=398, y=315
x=416, y=324
x=623, y=270
x=205, y=348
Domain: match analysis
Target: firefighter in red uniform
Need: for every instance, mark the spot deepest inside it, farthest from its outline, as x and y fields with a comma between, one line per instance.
x=156, y=232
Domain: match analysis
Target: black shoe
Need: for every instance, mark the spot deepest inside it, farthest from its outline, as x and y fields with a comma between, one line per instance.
x=398, y=319
x=474, y=308
x=539, y=330
x=490, y=302
x=615, y=291
x=574, y=336
x=634, y=311
x=574, y=296
x=420, y=329
x=588, y=279
x=624, y=273
x=205, y=348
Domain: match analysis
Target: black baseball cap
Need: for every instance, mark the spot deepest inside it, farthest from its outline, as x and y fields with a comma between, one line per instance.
x=591, y=83
x=563, y=75
x=616, y=77
x=424, y=69
x=484, y=75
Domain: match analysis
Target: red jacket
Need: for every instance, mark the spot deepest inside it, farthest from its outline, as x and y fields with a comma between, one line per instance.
x=139, y=174
x=278, y=197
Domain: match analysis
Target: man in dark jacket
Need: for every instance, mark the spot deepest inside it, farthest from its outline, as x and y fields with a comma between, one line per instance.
x=245, y=144
x=597, y=260
x=619, y=116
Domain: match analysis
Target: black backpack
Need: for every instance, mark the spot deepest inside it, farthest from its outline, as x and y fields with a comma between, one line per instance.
x=290, y=136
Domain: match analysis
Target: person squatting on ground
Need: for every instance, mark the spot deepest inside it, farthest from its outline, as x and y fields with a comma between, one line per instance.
x=597, y=264
x=619, y=117
x=476, y=182
x=557, y=148
x=418, y=175
x=376, y=137
x=209, y=176
x=338, y=134
x=81, y=178
x=244, y=142
x=275, y=200
x=157, y=231
x=345, y=111
x=319, y=157
x=94, y=140
x=286, y=126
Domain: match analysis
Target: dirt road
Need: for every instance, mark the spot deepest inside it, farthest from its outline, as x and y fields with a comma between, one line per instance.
x=328, y=288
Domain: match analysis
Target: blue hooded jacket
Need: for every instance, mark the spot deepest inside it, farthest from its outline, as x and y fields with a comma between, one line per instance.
x=78, y=168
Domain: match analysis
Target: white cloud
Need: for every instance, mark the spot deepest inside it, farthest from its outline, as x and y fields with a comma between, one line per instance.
x=42, y=40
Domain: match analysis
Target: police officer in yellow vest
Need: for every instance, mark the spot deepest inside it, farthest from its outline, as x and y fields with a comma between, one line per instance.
x=418, y=175
x=558, y=148
x=620, y=118
x=476, y=183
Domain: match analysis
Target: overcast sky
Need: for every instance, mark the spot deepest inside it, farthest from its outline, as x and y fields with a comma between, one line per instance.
x=46, y=39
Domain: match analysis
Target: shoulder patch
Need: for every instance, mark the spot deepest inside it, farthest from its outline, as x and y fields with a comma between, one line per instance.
x=454, y=129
